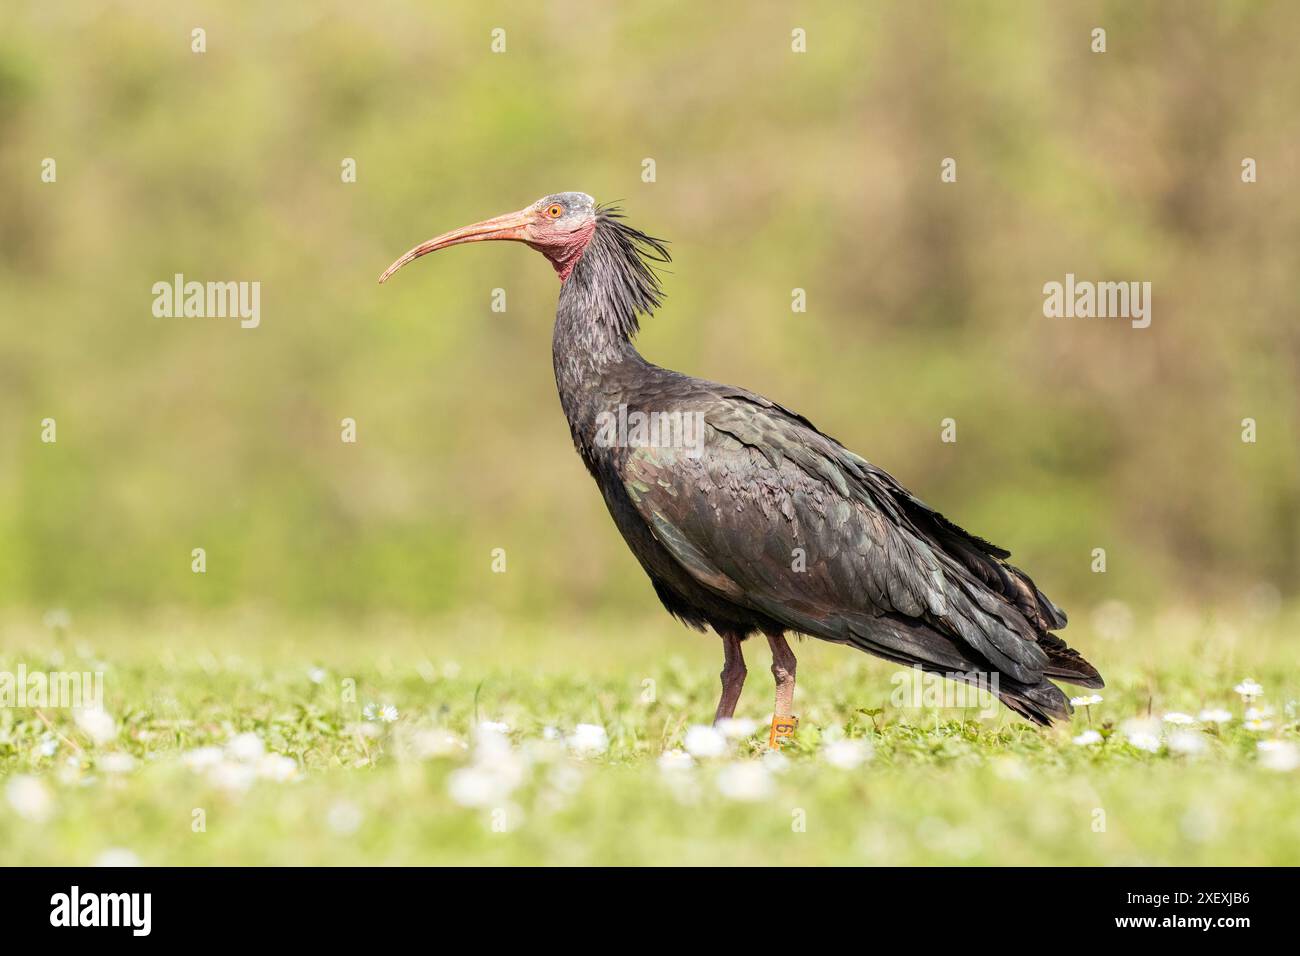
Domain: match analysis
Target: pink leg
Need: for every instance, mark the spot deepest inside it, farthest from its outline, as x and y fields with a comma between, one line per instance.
x=783, y=665
x=733, y=677
x=784, y=721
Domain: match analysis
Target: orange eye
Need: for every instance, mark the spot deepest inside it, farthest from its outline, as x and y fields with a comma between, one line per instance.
x=555, y=211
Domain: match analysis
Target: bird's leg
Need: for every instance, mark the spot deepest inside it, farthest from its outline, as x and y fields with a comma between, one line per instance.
x=733, y=677
x=783, y=665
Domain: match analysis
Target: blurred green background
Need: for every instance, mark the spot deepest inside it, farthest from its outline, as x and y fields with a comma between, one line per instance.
x=774, y=170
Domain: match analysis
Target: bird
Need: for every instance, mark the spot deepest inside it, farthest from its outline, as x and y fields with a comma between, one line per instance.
x=749, y=520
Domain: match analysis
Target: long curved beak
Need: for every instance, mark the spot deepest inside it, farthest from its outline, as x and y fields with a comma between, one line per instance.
x=509, y=227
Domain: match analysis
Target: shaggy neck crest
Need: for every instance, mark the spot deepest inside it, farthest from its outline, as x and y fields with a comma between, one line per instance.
x=615, y=280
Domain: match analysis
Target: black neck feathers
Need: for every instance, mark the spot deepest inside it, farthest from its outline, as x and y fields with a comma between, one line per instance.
x=614, y=283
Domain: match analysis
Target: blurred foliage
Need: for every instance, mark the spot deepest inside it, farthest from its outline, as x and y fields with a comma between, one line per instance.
x=775, y=170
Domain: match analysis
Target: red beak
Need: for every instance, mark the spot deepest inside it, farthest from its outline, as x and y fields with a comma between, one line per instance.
x=509, y=227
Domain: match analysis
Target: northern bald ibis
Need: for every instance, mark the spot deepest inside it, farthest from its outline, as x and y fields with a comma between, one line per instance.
x=751, y=521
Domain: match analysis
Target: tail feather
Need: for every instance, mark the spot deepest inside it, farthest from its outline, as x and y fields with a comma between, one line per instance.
x=1067, y=664
x=913, y=643
x=1041, y=703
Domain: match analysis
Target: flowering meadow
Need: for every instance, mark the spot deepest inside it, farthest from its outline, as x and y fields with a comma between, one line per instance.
x=476, y=741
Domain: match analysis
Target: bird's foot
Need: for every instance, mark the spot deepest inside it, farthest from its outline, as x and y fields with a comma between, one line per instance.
x=783, y=728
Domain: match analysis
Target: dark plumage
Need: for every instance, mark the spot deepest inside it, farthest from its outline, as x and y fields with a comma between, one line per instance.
x=768, y=525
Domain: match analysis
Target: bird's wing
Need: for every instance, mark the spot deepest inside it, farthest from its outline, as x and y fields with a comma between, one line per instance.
x=981, y=558
x=776, y=516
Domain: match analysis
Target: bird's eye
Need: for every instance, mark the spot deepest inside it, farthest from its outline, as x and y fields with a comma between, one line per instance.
x=555, y=211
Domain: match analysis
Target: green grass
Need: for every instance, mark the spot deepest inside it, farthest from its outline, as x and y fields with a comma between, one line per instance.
x=939, y=788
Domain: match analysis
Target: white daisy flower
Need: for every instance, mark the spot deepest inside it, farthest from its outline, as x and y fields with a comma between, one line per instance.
x=316, y=675
x=1258, y=725
x=503, y=762
x=246, y=747
x=1280, y=755
x=1088, y=738
x=1187, y=742
x=497, y=771
x=737, y=728
x=98, y=725
x=48, y=746
x=388, y=713
x=1086, y=701
x=588, y=740
x=846, y=754
x=829, y=733
x=747, y=782
x=776, y=761
x=277, y=767
x=1248, y=690
x=29, y=798
x=493, y=727
x=1148, y=742
x=1174, y=717
x=1216, y=715
x=704, y=741
x=478, y=787
x=117, y=763
x=1142, y=733
x=672, y=761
